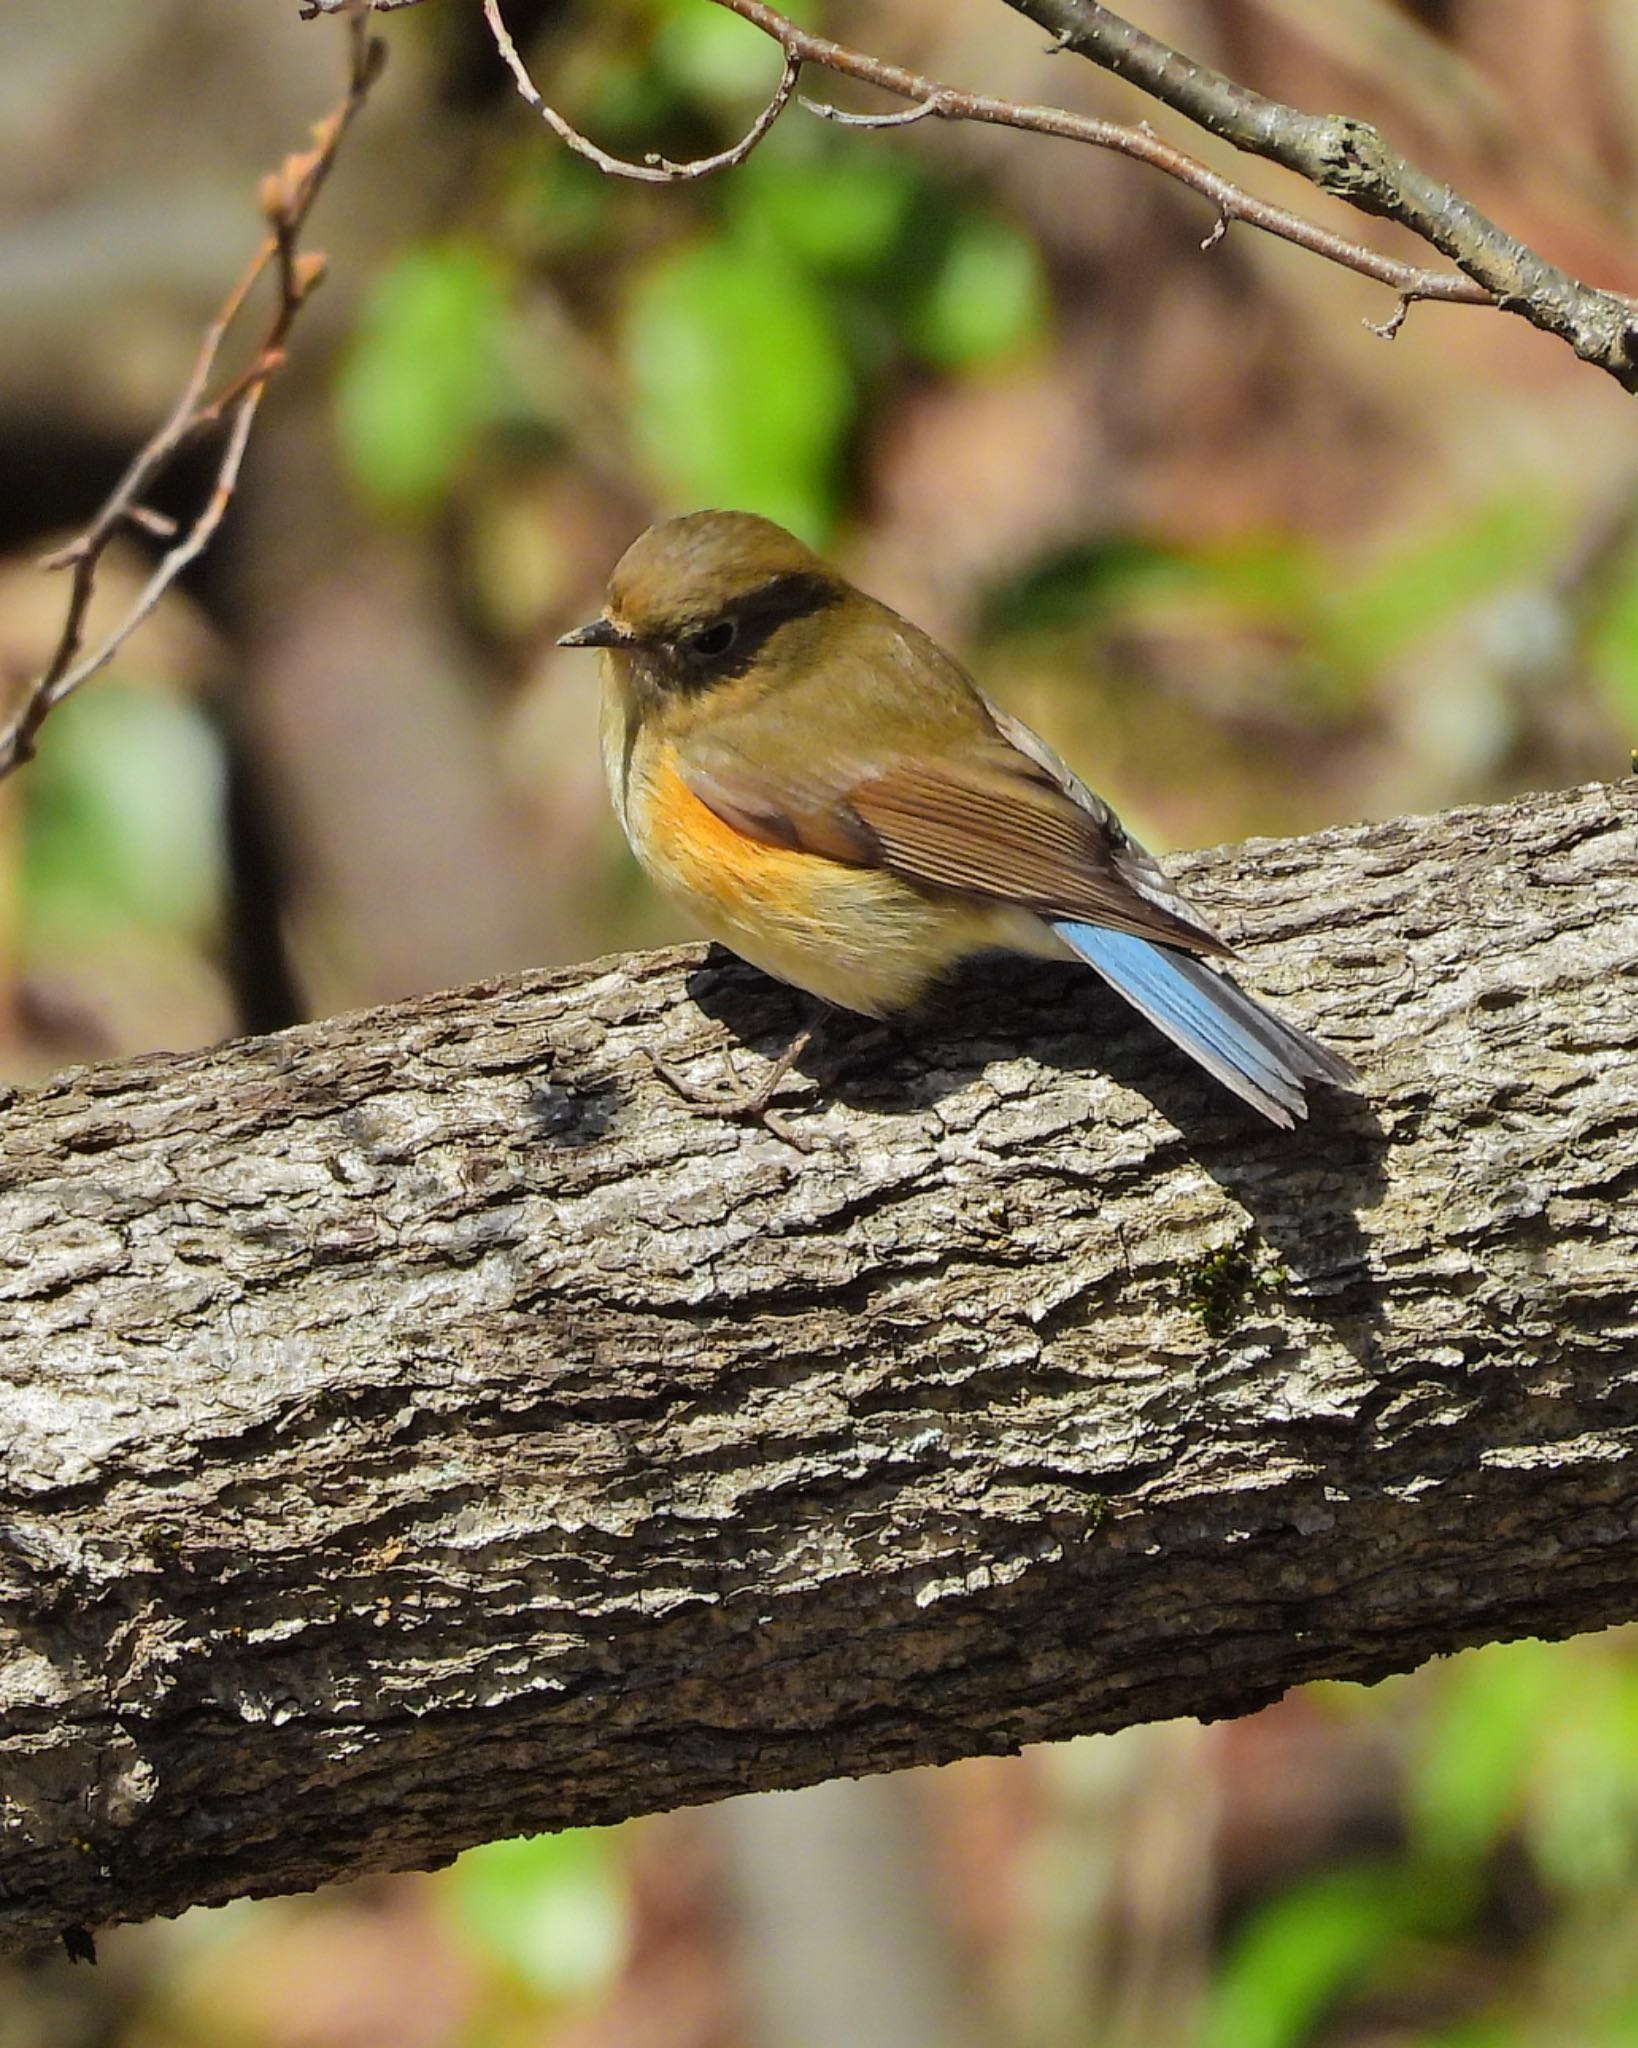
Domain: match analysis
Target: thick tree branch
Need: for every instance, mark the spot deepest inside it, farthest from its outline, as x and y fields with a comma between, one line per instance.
x=420, y=1427
x=1352, y=160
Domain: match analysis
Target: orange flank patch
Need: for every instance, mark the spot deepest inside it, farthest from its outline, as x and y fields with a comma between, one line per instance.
x=861, y=938
x=716, y=858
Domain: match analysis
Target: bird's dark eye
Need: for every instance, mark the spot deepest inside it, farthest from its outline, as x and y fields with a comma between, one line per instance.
x=713, y=640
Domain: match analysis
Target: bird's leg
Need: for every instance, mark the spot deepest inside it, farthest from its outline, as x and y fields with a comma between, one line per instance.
x=746, y=1104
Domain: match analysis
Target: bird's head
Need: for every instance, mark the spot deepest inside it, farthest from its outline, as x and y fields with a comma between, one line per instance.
x=710, y=598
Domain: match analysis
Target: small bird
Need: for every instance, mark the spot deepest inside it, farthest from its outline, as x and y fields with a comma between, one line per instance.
x=828, y=794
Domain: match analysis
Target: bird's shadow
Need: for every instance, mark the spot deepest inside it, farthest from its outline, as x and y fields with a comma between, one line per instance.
x=1306, y=1190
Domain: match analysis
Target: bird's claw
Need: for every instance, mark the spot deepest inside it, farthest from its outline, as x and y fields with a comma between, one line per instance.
x=740, y=1102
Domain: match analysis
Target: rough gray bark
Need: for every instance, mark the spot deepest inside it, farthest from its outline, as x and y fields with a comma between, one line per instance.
x=421, y=1427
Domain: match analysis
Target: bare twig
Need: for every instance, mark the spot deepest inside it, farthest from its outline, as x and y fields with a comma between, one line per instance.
x=286, y=196
x=843, y=119
x=653, y=170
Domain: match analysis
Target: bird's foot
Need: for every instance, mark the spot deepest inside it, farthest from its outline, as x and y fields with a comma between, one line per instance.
x=738, y=1100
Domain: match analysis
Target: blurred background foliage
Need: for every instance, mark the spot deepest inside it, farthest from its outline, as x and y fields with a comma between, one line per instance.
x=1251, y=568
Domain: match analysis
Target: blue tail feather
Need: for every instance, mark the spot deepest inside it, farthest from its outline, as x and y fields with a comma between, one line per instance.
x=1266, y=1062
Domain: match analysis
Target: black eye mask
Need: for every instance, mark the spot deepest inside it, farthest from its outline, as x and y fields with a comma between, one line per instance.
x=725, y=646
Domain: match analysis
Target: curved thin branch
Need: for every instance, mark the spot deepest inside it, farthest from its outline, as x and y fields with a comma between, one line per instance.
x=287, y=197
x=653, y=170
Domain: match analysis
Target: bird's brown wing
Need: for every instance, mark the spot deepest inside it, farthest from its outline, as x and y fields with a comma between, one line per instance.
x=1001, y=819
x=1136, y=864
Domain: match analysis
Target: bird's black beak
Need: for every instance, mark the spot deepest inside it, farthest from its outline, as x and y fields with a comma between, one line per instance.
x=600, y=633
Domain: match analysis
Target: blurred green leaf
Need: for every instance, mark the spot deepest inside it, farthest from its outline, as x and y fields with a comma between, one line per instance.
x=715, y=56
x=1614, y=646
x=742, y=395
x=985, y=298
x=1616, y=2026
x=124, y=818
x=551, y=1909
x=1476, y=2034
x=1274, y=576
x=1080, y=584
x=1468, y=1785
x=425, y=374
x=842, y=212
x=1583, y=1818
x=629, y=102
x=1296, y=1956
x=1376, y=615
